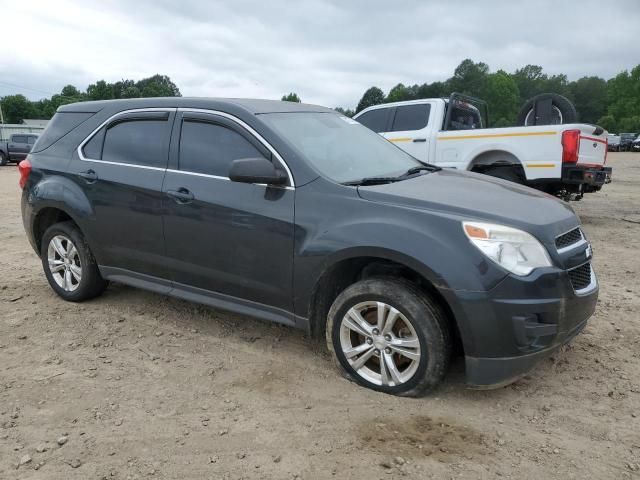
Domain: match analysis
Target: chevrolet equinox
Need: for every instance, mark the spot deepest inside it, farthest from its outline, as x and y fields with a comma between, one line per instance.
x=296, y=214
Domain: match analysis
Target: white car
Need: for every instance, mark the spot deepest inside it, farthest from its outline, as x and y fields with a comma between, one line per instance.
x=565, y=160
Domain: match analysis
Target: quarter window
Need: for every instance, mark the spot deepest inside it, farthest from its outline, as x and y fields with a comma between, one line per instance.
x=411, y=117
x=138, y=142
x=210, y=148
x=375, y=120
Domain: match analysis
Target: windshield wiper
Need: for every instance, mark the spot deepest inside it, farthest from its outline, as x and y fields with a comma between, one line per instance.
x=373, y=181
x=427, y=167
x=383, y=180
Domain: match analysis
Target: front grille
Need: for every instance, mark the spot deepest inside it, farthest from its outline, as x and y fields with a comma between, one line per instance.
x=569, y=238
x=581, y=276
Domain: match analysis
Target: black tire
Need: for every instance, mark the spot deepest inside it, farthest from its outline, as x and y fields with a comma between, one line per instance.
x=506, y=173
x=91, y=283
x=3, y=159
x=426, y=317
x=568, y=111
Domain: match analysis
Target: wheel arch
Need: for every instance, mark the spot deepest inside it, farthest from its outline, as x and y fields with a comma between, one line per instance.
x=496, y=157
x=346, y=269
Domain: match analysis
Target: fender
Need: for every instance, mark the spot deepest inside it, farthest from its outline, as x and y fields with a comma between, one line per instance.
x=479, y=155
x=62, y=193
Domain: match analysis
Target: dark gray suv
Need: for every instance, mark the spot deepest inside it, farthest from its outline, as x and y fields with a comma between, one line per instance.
x=295, y=214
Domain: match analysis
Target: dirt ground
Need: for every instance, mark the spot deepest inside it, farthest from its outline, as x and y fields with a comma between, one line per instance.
x=137, y=385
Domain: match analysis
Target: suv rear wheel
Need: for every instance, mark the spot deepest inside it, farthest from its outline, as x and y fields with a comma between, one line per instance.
x=387, y=335
x=69, y=265
x=3, y=159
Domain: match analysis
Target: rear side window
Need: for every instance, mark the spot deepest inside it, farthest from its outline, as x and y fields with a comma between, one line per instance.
x=411, y=117
x=210, y=148
x=59, y=126
x=32, y=140
x=19, y=139
x=137, y=142
x=375, y=120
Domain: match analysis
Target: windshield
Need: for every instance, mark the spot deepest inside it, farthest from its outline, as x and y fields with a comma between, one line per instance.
x=340, y=148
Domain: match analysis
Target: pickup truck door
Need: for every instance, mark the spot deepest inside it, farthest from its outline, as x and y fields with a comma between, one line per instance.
x=410, y=129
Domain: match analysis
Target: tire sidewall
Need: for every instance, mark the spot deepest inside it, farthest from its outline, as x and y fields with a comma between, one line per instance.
x=77, y=239
x=411, y=307
x=3, y=159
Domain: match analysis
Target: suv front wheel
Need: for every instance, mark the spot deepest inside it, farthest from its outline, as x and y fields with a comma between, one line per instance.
x=68, y=263
x=387, y=335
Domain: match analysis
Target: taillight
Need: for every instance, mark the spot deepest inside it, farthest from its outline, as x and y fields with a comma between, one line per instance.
x=25, y=169
x=570, y=146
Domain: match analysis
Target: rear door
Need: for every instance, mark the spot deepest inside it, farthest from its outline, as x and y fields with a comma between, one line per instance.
x=223, y=237
x=121, y=170
x=409, y=129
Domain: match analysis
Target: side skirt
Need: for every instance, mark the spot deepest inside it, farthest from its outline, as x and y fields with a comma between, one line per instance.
x=205, y=297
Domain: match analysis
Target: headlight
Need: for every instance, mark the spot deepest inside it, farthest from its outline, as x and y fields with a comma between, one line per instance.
x=512, y=249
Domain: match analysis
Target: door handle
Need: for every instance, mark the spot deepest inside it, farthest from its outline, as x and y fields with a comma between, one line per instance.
x=89, y=175
x=182, y=195
x=417, y=140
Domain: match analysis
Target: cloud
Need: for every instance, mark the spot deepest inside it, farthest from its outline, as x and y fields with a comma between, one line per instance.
x=327, y=51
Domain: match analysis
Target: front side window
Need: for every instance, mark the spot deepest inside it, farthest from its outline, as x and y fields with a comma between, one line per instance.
x=210, y=148
x=411, y=117
x=19, y=139
x=137, y=142
x=339, y=147
x=375, y=120
x=32, y=140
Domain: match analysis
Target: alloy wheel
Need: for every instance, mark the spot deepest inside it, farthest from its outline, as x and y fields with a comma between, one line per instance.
x=64, y=263
x=380, y=344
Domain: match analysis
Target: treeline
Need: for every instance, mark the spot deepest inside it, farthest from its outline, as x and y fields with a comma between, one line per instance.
x=17, y=107
x=613, y=104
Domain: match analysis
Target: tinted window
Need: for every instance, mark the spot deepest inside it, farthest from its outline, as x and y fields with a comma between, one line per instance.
x=19, y=139
x=210, y=148
x=375, y=120
x=411, y=117
x=32, y=140
x=61, y=124
x=139, y=142
x=93, y=148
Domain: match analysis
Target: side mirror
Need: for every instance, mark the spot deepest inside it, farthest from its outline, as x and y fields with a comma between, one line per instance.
x=256, y=170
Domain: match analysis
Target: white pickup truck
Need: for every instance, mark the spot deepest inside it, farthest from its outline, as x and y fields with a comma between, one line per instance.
x=566, y=160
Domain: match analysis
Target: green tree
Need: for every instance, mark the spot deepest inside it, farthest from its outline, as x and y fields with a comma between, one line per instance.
x=623, y=94
x=530, y=81
x=70, y=91
x=501, y=93
x=346, y=112
x=100, y=90
x=398, y=93
x=157, y=86
x=608, y=123
x=469, y=77
x=16, y=108
x=590, y=98
x=373, y=96
x=291, y=97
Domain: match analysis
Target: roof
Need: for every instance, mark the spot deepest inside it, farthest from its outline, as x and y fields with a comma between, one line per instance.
x=254, y=106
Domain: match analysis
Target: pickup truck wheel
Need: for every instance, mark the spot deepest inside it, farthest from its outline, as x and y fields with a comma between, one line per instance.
x=3, y=159
x=387, y=335
x=505, y=173
x=69, y=264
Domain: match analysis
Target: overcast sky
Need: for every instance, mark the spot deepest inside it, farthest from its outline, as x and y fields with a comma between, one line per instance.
x=327, y=51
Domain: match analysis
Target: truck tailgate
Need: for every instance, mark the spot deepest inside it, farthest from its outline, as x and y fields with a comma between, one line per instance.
x=593, y=146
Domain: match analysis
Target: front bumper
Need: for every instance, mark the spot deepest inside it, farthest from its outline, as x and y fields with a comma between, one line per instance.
x=584, y=175
x=510, y=328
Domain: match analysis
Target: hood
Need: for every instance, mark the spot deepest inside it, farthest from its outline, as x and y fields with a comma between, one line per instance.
x=479, y=197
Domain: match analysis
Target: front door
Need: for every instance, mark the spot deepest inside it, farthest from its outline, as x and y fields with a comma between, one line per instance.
x=225, y=238
x=409, y=130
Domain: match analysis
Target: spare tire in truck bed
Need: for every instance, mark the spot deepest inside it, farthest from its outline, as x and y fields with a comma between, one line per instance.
x=563, y=110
